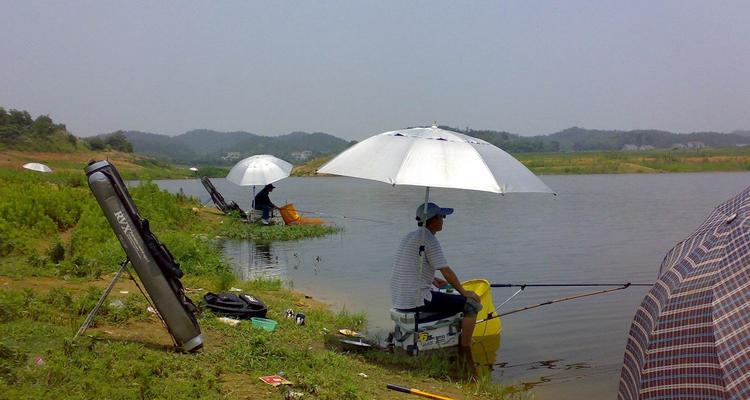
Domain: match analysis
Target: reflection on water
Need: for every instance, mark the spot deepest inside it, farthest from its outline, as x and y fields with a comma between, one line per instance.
x=253, y=260
x=527, y=385
x=279, y=260
x=484, y=354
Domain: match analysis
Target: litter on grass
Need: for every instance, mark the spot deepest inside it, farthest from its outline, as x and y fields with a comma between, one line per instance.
x=229, y=321
x=274, y=380
x=349, y=332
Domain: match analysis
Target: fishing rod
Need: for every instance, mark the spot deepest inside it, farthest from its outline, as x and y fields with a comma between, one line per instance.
x=525, y=285
x=417, y=392
x=560, y=300
x=343, y=216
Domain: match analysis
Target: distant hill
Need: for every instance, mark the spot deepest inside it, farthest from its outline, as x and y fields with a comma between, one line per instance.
x=576, y=139
x=159, y=145
x=580, y=139
x=205, y=146
x=511, y=142
x=211, y=147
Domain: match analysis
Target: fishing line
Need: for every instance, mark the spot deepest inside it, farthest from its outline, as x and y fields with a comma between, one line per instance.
x=560, y=300
x=344, y=216
x=523, y=285
x=509, y=298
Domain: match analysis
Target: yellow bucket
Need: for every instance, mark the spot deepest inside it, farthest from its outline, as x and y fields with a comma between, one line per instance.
x=482, y=288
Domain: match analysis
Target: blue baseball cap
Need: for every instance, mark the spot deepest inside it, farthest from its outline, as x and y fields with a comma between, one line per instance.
x=432, y=210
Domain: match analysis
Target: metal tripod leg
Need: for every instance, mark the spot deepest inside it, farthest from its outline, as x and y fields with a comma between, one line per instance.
x=92, y=314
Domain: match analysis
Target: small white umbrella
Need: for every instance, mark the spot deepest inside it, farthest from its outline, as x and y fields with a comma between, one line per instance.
x=37, y=167
x=434, y=157
x=259, y=170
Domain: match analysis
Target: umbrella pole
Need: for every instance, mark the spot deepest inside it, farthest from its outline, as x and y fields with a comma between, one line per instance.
x=421, y=241
x=252, y=204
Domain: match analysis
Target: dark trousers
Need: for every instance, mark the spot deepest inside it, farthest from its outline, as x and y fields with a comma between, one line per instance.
x=266, y=210
x=444, y=302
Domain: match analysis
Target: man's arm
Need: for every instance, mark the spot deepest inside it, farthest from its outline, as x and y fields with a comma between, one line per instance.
x=451, y=277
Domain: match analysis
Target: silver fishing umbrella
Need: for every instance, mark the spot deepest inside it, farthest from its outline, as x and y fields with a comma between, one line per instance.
x=434, y=157
x=37, y=167
x=259, y=170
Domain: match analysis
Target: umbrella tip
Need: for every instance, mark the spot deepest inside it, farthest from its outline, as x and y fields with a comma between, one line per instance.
x=434, y=124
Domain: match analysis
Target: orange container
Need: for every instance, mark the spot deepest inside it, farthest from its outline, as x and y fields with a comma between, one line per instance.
x=292, y=217
x=289, y=214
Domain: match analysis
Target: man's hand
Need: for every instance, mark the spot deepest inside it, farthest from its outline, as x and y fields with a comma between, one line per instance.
x=471, y=295
x=439, y=282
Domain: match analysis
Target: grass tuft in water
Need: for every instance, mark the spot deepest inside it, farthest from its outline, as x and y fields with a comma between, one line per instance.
x=236, y=229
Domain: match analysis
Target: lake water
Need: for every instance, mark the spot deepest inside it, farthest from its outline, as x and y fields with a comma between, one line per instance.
x=600, y=228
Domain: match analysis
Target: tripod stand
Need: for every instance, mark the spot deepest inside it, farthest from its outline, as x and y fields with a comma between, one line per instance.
x=107, y=290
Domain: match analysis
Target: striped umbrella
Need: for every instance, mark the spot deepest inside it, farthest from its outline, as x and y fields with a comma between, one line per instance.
x=690, y=338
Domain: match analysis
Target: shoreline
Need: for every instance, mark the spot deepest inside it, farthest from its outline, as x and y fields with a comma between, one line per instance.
x=138, y=166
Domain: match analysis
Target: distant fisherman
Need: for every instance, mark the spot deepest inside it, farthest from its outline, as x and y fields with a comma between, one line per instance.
x=263, y=203
x=406, y=281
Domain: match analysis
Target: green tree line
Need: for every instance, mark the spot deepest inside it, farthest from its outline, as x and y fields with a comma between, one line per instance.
x=20, y=131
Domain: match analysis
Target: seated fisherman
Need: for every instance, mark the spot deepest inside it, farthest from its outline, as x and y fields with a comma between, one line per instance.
x=263, y=203
x=410, y=290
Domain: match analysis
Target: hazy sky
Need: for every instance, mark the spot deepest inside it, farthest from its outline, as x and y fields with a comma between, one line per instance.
x=354, y=69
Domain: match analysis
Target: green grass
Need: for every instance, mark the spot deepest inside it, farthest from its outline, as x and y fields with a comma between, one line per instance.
x=652, y=161
x=309, y=168
x=53, y=221
x=236, y=229
x=36, y=325
x=58, y=252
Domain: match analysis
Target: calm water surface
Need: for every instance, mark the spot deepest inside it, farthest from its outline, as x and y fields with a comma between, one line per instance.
x=600, y=228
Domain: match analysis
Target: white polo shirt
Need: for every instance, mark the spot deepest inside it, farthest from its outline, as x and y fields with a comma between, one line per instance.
x=406, y=282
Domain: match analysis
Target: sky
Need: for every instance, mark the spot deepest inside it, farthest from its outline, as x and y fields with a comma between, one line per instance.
x=354, y=69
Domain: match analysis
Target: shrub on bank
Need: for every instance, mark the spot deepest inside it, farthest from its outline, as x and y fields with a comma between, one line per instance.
x=54, y=222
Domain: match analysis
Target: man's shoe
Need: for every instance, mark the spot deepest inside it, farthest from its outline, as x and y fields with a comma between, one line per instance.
x=265, y=221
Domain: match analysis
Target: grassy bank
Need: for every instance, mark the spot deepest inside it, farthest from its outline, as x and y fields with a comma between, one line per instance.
x=627, y=162
x=127, y=353
x=309, y=168
x=131, y=166
x=134, y=166
x=57, y=252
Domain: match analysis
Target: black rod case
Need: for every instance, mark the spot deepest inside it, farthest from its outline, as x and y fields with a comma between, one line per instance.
x=153, y=263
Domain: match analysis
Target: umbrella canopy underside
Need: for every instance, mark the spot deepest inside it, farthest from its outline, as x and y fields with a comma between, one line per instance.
x=435, y=158
x=259, y=170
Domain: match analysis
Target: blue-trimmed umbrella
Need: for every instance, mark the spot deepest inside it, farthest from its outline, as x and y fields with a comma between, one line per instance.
x=690, y=338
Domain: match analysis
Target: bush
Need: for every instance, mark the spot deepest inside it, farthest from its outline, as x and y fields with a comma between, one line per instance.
x=56, y=252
